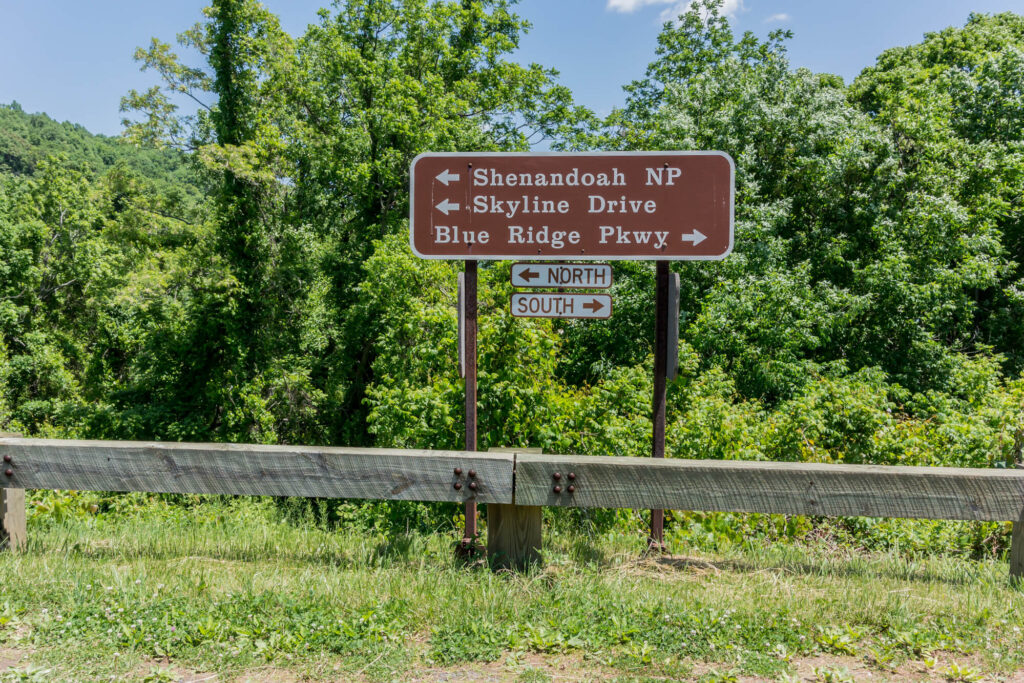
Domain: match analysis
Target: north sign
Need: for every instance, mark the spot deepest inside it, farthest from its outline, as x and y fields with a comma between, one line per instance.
x=608, y=205
x=570, y=275
x=559, y=305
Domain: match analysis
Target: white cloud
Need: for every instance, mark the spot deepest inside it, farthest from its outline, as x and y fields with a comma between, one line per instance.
x=782, y=16
x=674, y=9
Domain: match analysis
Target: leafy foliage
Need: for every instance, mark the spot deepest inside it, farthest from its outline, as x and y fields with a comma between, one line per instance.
x=242, y=273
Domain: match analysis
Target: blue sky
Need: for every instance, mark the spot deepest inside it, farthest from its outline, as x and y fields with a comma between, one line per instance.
x=73, y=59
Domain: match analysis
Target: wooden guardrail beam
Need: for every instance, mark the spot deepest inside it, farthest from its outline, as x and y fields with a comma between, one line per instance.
x=518, y=479
x=243, y=469
x=771, y=487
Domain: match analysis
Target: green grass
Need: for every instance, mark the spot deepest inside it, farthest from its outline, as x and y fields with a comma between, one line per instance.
x=227, y=587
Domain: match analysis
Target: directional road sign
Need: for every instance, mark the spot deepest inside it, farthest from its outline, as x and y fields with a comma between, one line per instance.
x=570, y=275
x=606, y=205
x=559, y=305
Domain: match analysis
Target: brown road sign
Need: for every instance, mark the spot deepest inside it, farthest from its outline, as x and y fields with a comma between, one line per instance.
x=570, y=275
x=559, y=305
x=608, y=205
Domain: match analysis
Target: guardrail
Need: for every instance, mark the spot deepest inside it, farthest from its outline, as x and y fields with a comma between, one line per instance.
x=516, y=483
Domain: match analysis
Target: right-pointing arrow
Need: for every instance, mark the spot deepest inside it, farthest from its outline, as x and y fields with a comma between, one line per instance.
x=696, y=237
x=446, y=177
x=447, y=206
x=594, y=306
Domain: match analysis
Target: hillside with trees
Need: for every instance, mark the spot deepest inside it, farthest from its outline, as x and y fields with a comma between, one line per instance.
x=243, y=273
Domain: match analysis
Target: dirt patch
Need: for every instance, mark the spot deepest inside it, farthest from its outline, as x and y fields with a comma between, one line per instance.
x=519, y=666
x=574, y=669
x=168, y=671
x=11, y=658
x=267, y=674
x=946, y=668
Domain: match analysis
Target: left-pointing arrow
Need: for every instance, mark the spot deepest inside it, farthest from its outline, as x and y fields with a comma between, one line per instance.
x=447, y=206
x=446, y=176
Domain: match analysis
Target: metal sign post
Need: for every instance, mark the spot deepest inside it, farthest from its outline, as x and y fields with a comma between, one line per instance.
x=656, y=541
x=462, y=324
x=673, y=326
x=469, y=358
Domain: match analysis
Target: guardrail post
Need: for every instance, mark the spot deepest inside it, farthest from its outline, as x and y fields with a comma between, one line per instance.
x=513, y=531
x=13, y=531
x=1017, y=551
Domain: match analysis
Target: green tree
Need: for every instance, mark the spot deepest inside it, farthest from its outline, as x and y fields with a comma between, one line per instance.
x=311, y=140
x=952, y=106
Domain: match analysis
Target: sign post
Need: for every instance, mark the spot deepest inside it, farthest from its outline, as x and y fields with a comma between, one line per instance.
x=656, y=541
x=637, y=206
x=469, y=357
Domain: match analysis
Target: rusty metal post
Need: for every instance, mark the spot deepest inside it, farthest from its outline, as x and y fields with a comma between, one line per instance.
x=469, y=315
x=656, y=540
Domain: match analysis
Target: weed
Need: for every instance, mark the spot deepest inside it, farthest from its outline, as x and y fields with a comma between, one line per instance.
x=533, y=675
x=160, y=675
x=959, y=674
x=29, y=674
x=833, y=675
x=837, y=641
x=882, y=656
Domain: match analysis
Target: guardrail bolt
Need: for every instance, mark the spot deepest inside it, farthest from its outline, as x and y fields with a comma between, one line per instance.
x=572, y=489
x=7, y=458
x=472, y=473
x=9, y=472
x=458, y=471
x=557, y=489
x=556, y=476
x=472, y=486
x=572, y=476
x=458, y=486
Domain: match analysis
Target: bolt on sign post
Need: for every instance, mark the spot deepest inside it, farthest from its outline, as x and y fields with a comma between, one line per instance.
x=637, y=206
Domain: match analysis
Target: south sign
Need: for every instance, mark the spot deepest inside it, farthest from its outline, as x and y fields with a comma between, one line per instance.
x=560, y=305
x=610, y=205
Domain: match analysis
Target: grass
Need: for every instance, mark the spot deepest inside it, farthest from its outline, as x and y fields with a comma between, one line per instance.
x=228, y=588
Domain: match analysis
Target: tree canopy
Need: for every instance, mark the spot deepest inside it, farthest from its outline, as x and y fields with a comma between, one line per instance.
x=243, y=273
